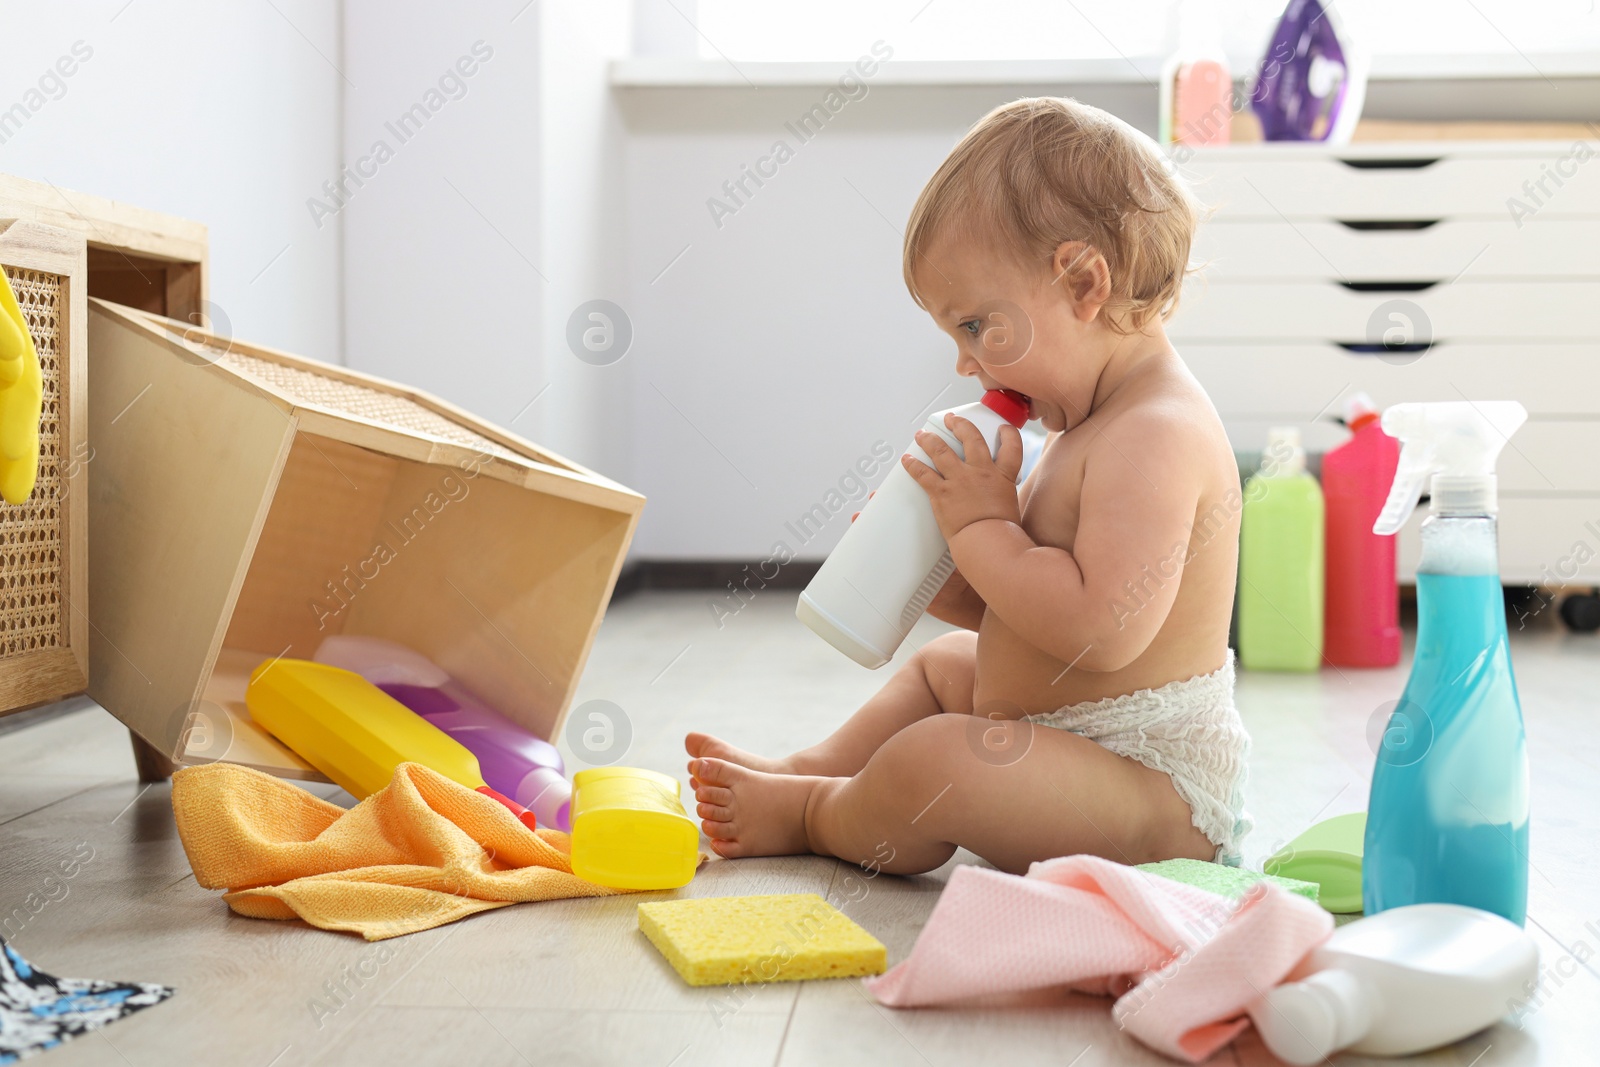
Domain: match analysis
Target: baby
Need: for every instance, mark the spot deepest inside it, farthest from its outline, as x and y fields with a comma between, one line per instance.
x=1086, y=702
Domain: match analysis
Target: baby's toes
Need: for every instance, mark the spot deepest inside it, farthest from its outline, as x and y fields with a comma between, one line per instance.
x=713, y=794
x=713, y=772
x=719, y=829
x=714, y=812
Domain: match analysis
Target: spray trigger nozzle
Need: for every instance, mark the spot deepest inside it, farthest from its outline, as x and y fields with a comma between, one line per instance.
x=1449, y=448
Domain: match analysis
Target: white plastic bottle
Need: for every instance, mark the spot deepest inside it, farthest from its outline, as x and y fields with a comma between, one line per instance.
x=876, y=584
x=1405, y=980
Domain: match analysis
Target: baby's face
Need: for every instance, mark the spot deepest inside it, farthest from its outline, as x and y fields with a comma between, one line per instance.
x=1013, y=327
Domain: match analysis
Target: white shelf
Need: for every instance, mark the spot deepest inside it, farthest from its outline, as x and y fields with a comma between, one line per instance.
x=661, y=73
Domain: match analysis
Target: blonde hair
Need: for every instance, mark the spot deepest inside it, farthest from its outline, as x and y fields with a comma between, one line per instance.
x=1036, y=172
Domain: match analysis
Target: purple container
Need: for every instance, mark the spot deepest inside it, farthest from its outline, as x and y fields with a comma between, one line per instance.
x=513, y=761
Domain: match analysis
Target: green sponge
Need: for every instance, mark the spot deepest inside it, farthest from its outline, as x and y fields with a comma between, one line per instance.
x=1230, y=882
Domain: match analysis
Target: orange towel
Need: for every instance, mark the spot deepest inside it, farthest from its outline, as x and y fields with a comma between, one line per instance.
x=420, y=852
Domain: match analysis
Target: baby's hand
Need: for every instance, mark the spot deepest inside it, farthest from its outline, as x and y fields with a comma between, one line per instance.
x=967, y=491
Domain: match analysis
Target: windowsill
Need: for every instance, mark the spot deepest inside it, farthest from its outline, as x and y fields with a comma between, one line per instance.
x=658, y=73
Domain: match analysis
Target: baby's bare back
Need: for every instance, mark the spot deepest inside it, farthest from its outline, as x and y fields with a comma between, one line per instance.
x=1190, y=577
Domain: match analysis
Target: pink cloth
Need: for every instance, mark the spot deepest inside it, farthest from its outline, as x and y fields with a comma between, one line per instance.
x=1183, y=962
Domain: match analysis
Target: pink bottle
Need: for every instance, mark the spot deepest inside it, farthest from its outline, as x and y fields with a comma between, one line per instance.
x=1196, y=86
x=1361, y=624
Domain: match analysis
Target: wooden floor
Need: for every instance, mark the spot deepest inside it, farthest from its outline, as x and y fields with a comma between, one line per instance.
x=574, y=982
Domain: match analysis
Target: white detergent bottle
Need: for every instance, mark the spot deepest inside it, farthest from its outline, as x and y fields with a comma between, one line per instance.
x=1405, y=980
x=876, y=584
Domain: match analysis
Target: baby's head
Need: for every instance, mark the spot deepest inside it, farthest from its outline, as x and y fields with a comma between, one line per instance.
x=1052, y=236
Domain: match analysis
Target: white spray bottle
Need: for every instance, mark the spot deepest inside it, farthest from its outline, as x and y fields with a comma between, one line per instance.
x=1406, y=980
x=876, y=584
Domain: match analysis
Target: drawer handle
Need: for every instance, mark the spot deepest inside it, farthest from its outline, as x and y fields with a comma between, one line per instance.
x=1374, y=348
x=1389, y=287
x=1407, y=163
x=1368, y=225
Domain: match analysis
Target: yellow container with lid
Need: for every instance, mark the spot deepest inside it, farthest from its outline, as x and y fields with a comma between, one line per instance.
x=629, y=830
x=354, y=732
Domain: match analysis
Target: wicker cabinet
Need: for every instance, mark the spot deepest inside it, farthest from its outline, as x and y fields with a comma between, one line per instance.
x=58, y=248
x=43, y=564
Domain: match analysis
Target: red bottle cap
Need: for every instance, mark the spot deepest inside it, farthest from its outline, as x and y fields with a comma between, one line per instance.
x=1359, y=412
x=1008, y=404
x=523, y=814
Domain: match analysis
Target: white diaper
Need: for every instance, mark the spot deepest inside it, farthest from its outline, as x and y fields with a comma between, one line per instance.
x=1188, y=730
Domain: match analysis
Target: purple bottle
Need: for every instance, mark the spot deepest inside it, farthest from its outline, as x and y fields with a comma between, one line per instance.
x=513, y=761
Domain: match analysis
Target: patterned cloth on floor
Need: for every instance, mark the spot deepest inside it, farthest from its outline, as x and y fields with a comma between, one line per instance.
x=1182, y=962
x=40, y=1011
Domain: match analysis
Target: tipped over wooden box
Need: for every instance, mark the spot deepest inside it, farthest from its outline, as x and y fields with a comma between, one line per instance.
x=246, y=503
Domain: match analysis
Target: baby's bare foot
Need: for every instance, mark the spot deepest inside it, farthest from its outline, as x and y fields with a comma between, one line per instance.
x=747, y=812
x=699, y=745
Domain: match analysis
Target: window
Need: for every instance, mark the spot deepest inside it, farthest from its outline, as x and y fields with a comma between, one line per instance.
x=797, y=30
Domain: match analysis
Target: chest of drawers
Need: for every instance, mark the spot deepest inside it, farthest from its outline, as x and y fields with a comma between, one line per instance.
x=1413, y=271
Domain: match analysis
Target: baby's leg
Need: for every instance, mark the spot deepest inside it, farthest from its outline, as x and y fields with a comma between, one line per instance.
x=934, y=786
x=939, y=678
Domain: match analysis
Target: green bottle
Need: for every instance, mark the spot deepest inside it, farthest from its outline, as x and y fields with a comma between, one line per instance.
x=1280, y=561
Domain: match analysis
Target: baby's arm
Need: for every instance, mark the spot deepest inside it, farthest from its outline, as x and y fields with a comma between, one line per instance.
x=1138, y=500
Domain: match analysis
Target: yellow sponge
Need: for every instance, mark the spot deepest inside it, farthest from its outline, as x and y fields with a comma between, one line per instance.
x=734, y=940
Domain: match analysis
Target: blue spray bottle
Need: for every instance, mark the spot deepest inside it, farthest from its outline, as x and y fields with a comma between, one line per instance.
x=1447, y=821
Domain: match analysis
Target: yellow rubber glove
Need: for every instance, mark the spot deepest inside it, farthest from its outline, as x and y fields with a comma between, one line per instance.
x=21, y=396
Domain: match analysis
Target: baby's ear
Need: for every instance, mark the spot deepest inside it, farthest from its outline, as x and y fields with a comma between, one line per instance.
x=1082, y=273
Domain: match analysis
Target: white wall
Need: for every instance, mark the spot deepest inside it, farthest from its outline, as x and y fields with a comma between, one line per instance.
x=442, y=241
x=584, y=414
x=467, y=250
x=225, y=113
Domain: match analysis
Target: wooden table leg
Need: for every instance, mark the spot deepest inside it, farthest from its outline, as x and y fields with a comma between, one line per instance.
x=153, y=764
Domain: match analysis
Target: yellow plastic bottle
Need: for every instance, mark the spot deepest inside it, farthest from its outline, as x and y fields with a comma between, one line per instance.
x=21, y=397
x=354, y=732
x=629, y=830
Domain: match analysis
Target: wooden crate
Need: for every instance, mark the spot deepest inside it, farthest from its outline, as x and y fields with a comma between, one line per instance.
x=44, y=652
x=59, y=247
x=245, y=503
